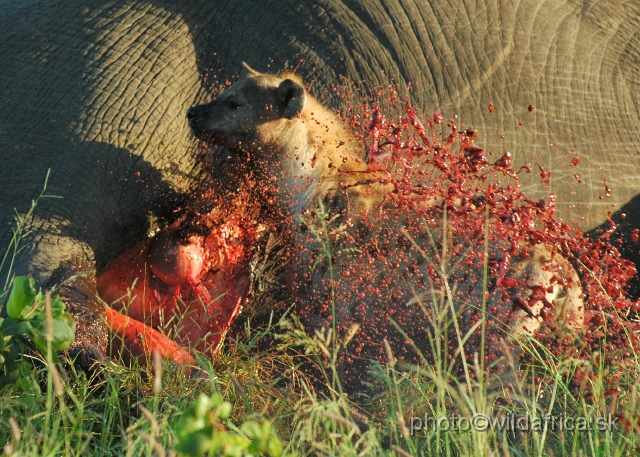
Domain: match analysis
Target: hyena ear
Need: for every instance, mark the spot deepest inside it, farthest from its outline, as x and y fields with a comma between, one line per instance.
x=293, y=97
x=248, y=72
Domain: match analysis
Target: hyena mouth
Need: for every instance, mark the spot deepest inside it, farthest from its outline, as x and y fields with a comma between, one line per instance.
x=199, y=131
x=223, y=162
x=196, y=117
x=207, y=138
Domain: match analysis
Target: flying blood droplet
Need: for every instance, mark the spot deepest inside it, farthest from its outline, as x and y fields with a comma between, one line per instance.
x=531, y=108
x=504, y=161
x=607, y=190
x=471, y=133
x=491, y=108
x=475, y=155
x=461, y=178
x=520, y=124
x=437, y=118
x=544, y=174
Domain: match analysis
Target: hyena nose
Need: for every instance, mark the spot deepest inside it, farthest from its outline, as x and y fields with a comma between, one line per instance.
x=191, y=113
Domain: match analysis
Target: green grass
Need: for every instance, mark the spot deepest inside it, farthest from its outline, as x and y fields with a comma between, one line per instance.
x=136, y=411
x=118, y=410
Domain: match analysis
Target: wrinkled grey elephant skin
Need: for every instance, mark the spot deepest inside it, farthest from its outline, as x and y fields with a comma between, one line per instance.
x=97, y=92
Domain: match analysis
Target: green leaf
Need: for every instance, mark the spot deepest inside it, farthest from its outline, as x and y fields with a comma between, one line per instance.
x=274, y=448
x=194, y=417
x=23, y=292
x=12, y=327
x=62, y=335
x=199, y=434
x=252, y=430
x=57, y=307
x=8, y=379
x=197, y=443
x=68, y=319
x=223, y=411
x=40, y=344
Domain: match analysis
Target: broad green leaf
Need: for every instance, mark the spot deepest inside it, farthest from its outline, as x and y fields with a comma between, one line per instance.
x=13, y=327
x=274, y=448
x=67, y=319
x=194, y=417
x=197, y=443
x=62, y=335
x=23, y=292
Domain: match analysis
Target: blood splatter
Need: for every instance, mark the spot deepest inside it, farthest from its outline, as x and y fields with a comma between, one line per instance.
x=388, y=263
x=461, y=182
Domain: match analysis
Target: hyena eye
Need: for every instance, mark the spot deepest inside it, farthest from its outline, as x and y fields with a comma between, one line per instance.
x=231, y=104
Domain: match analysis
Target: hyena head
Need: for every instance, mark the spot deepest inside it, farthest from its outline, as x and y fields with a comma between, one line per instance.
x=263, y=127
x=240, y=114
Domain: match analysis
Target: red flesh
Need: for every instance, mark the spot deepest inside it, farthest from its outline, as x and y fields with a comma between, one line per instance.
x=191, y=292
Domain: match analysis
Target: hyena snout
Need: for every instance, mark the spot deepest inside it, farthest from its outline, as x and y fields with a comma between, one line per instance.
x=198, y=112
x=192, y=113
x=199, y=119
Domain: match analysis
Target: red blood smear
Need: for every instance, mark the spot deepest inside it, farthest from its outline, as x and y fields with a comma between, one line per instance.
x=575, y=161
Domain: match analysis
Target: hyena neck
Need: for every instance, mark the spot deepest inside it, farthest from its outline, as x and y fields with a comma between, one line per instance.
x=308, y=153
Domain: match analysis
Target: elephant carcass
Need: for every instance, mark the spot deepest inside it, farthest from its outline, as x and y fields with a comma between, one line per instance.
x=96, y=92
